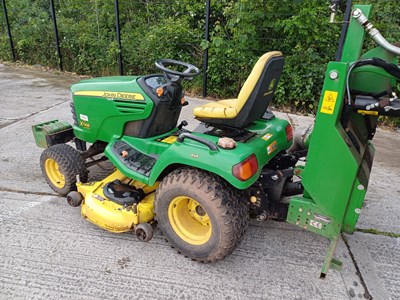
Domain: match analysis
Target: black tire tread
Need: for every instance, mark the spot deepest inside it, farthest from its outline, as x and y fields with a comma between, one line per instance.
x=228, y=201
x=71, y=164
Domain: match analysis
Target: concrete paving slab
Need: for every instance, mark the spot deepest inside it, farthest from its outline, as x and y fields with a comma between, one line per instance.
x=378, y=259
x=24, y=93
x=50, y=252
x=19, y=155
x=382, y=202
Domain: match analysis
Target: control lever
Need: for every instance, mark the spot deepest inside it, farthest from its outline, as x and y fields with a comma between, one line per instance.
x=334, y=9
x=183, y=123
x=384, y=104
x=390, y=106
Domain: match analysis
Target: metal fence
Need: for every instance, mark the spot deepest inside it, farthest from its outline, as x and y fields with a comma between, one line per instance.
x=47, y=30
x=56, y=44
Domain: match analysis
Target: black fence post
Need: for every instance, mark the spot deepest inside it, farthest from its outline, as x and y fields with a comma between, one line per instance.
x=207, y=38
x=53, y=16
x=116, y=8
x=9, y=31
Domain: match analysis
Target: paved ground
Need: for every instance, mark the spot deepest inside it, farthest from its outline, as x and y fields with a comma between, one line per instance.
x=49, y=252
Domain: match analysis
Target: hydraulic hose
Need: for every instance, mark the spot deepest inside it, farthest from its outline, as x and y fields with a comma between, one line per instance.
x=374, y=33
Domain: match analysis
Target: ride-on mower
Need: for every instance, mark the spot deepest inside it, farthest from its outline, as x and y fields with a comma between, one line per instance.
x=202, y=186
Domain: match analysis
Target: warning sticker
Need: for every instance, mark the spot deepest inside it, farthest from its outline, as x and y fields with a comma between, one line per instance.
x=272, y=147
x=329, y=101
x=267, y=136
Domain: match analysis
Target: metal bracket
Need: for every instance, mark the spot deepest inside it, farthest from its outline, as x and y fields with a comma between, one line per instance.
x=330, y=261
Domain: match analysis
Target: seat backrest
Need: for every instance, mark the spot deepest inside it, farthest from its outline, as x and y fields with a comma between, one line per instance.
x=259, y=88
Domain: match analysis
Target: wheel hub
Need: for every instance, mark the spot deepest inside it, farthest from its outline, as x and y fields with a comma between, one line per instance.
x=189, y=220
x=53, y=171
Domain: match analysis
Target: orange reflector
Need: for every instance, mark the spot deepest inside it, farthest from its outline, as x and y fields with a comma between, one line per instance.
x=289, y=132
x=246, y=168
x=159, y=91
x=183, y=100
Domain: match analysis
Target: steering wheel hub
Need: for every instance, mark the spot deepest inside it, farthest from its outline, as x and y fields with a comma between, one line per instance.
x=166, y=66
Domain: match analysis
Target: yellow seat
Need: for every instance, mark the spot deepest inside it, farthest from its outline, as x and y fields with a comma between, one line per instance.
x=254, y=97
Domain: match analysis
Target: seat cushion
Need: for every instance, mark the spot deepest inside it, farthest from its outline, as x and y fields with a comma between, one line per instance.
x=253, y=78
x=224, y=109
x=230, y=108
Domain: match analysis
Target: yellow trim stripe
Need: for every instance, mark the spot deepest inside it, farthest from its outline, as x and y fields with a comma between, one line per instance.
x=111, y=95
x=368, y=112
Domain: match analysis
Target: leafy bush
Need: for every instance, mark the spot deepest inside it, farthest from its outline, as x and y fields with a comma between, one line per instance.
x=240, y=32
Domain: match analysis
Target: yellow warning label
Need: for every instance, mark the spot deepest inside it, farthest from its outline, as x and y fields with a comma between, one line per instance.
x=329, y=102
x=170, y=140
x=368, y=112
x=267, y=136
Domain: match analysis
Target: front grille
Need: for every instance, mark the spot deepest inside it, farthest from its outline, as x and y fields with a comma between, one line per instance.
x=129, y=107
x=71, y=104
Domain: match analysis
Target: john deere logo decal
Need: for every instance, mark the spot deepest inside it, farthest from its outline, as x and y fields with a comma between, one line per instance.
x=272, y=84
x=111, y=95
x=270, y=87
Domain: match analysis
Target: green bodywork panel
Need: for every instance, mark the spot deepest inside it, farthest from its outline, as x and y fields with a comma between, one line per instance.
x=193, y=153
x=355, y=37
x=370, y=79
x=339, y=161
x=105, y=120
x=102, y=109
x=335, y=168
x=335, y=165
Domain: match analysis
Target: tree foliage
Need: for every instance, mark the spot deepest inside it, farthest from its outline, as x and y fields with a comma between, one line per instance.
x=240, y=32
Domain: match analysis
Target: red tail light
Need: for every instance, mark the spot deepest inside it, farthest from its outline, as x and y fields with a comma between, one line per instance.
x=246, y=168
x=289, y=132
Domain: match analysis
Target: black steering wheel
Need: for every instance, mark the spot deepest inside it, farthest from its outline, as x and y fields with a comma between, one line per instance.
x=177, y=76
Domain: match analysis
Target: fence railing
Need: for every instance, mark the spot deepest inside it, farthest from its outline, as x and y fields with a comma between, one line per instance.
x=103, y=37
x=117, y=34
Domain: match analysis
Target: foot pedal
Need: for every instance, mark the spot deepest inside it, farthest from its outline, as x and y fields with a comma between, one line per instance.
x=134, y=159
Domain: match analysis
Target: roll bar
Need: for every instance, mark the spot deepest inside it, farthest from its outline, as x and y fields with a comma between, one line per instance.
x=374, y=33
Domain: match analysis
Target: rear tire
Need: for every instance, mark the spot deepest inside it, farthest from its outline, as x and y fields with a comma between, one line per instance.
x=202, y=216
x=60, y=164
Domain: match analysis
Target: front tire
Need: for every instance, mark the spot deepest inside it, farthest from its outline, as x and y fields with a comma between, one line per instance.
x=60, y=164
x=201, y=215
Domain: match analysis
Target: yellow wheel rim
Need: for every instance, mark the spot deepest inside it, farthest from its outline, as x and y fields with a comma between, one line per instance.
x=189, y=220
x=53, y=172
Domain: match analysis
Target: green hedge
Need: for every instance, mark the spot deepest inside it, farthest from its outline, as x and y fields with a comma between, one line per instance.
x=240, y=31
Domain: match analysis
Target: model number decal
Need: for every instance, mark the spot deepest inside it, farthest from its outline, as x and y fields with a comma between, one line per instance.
x=84, y=124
